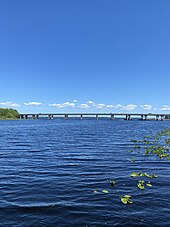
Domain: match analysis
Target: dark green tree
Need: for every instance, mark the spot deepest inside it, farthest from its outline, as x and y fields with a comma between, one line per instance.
x=6, y=113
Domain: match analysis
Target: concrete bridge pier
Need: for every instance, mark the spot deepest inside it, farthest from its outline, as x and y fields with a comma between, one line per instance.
x=112, y=117
x=157, y=117
x=128, y=117
x=145, y=117
x=23, y=116
x=50, y=116
x=34, y=116
x=66, y=116
x=81, y=116
x=142, y=117
x=97, y=117
x=162, y=117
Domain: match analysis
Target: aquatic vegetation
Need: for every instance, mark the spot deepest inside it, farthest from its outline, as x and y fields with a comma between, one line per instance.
x=156, y=138
x=149, y=184
x=166, y=147
x=141, y=184
x=147, y=142
x=126, y=199
x=134, y=174
x=150, y=176
x=112, y=182
x=133, y=141
x=105, y=191
x=154, y=145
x=167, y=141
x=165, y=132
x=136, y=146
x=158, y=150
x=98, y=192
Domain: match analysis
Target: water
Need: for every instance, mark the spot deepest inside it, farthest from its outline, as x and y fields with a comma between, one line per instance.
x=49, y=170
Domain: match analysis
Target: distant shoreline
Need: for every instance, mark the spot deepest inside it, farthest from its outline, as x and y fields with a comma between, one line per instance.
x=8, y=119
x=8, y=114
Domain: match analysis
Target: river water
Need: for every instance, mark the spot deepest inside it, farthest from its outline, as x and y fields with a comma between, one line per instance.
x=52, y=173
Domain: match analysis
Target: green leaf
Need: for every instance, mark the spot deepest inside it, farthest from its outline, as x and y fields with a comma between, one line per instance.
x=134, y=141
x=148, y=184
x=141, y=181
x=137, y=146
x=124, y=200
x=134, y=174
x=105, y=191
x=141, y=185
x=127, y=196
x=130, y=201
x=147, y=175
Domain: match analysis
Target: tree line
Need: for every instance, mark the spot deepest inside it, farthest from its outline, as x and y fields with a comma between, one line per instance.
x=6, y=113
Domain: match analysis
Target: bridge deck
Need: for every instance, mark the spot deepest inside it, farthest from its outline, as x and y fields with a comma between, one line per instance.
x=128, y=116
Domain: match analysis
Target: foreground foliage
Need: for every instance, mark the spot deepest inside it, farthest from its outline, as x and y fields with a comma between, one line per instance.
x=153, y=145
x=126, y=199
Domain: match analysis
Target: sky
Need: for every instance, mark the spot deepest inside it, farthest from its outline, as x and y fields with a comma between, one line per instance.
x=85, y=56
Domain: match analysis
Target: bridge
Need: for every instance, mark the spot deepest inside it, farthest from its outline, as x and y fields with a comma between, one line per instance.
x=112, y=116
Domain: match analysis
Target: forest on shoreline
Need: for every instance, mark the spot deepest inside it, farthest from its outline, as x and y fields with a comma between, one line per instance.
x=6, y=113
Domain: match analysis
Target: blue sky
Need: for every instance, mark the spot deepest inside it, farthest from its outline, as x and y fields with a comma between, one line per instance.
x=85, y=56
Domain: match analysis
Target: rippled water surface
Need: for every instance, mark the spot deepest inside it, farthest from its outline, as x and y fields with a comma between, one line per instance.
x=51, y=169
